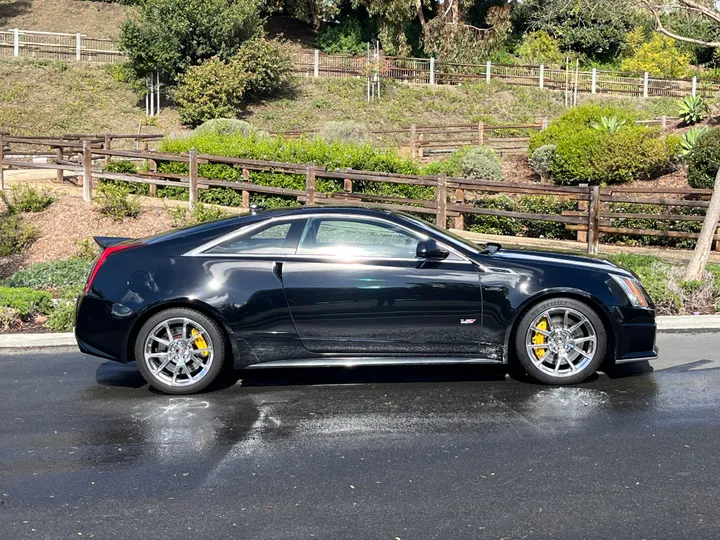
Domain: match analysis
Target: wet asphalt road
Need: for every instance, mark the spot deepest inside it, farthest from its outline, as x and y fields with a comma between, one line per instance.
x=87, y=451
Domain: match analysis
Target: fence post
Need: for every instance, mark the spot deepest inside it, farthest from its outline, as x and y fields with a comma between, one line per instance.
x=78, y=46
x=59, y=156
x=316, y=65
x=2, y=156
x=347, y=185
x=246, y=193
x=646, y=83
x=432, y=70
x=441, y=198
x=310, y=185
x=694, y=85
x=583, y=206
x=87, y=171
x=663, y=122
x=545, y=123
x=460, y=219
x=488, y=67
x=593, y=239
x=16, y=42
x=481, y=133
x=106, y=147
x=413, y=141
x=542, y=76
x=193, y=177
x=593, y=86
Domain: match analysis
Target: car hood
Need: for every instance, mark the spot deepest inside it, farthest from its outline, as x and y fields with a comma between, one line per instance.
x=560, y=259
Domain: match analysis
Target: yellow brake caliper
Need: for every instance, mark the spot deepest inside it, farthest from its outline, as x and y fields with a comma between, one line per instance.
x=200, y=342
x=539, y=339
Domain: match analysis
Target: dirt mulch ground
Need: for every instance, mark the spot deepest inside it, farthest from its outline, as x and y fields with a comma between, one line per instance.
x=69, y=220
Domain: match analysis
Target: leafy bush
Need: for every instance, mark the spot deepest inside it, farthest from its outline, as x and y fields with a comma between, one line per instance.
x=345, y=37
x=25, y=198
x=199, y=214
x=541, y=160
x=267, y=67
x=704, y=160
x=87, y=250
x=693, y=109
x=62, y=317
x=26, y=302
x=213, y=89
x=173, y=35
x=121, y=166
x=225, y=126
x=480, y=163
x=659, y=56
x=15, y=235
x=690, y=139
x=114, y=201
x=522, y=227
x=61, y=274
x=344, y=131
x=584, y=154
x=540, y=48
x=9, y=319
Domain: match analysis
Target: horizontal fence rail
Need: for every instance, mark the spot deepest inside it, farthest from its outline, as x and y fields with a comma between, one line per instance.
x=454, y=198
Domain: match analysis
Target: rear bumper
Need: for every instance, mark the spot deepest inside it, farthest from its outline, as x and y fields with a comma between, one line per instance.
x=635, y=332
x=102, y=327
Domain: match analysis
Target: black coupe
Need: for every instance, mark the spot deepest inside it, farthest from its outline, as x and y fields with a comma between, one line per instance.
x=342, y=286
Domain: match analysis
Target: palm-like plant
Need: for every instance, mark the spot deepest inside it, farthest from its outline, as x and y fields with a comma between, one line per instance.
x=609, y=124
x=693, y=109
x=690, y=139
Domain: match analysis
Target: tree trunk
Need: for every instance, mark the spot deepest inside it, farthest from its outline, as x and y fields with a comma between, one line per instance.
x=699, y=259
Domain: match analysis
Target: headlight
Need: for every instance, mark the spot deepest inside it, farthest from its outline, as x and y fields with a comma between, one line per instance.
x=633, y=290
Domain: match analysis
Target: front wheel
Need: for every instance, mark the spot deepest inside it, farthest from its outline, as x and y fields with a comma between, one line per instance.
x=560, y=341
x=180, y=351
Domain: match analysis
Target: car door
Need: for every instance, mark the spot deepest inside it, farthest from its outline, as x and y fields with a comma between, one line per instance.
x=356, y=286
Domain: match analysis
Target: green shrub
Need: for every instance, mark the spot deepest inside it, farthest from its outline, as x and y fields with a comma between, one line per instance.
x=344, y=131
x=87, y=249
x=693, y=109
x=226, y=126
x=115, y=201
x=15, y=235
x=213, y=89
x=704, y=160
x=27, y=302
x=541, y=160
x=585, y=154
x=690, y=139
x=199, y=214
x=345, y=37
x=25, y=198
x=124, y=166
x=540, y=48
x=481, y=164
x=659, y=56
x=9, y=319
x=61, y=274
x=267, y=65
x=62, y=316
x=522, y=227
x=170, y=36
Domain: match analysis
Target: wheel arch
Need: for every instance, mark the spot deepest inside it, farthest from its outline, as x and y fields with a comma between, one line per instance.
x=575, y=294
x=202, y=307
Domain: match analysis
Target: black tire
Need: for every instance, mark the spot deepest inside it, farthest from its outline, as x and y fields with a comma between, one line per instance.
x=555, y=306
x=216, y=342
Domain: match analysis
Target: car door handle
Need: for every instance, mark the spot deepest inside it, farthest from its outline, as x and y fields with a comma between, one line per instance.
x=277, y=270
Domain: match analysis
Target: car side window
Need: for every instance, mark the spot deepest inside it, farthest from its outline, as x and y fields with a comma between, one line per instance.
x=348, y=237
x=270, y=239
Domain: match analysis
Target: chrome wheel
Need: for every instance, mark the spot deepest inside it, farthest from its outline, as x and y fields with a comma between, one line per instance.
x=178, y=352
x=561, y=342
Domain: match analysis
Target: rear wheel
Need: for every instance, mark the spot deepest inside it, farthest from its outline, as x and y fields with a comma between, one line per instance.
x=180, y=351
x=560, y=341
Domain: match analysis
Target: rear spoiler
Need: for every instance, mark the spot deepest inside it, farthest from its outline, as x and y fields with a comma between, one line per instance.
x=106, y=241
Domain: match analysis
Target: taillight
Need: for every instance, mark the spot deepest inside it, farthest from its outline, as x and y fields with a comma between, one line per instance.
x=103, y=257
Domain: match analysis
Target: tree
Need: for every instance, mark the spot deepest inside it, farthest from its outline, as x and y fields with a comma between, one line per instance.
x=709, y=12
x=173, y=35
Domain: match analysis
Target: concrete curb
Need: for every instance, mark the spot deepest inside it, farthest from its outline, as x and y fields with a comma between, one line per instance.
x=674, y=323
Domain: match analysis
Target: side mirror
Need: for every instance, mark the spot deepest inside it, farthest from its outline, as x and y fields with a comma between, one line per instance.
x=429, y=249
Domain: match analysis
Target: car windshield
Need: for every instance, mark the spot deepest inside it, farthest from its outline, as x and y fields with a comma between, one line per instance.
x=444, y=233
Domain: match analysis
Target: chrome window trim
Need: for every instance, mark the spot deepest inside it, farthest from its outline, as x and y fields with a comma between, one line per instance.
x=200, y=251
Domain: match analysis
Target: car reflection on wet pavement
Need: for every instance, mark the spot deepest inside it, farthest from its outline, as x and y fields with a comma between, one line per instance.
x=411, y=452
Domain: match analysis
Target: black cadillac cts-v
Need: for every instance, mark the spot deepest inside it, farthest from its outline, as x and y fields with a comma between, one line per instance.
x=352, y=286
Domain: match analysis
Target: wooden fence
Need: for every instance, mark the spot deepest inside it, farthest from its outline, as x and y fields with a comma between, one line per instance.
x=455, y=198
x=59, y=46
x=432, y=71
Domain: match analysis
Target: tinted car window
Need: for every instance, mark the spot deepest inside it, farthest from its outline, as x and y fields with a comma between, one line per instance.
x=273, y=238
x=347, y=237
